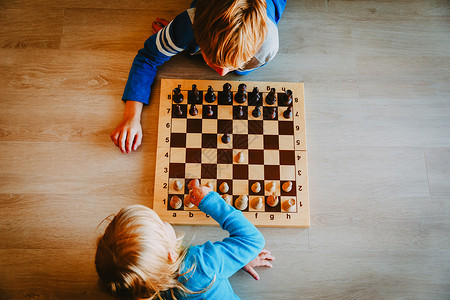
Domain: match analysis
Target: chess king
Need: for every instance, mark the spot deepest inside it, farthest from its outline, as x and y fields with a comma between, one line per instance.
x=237, y=36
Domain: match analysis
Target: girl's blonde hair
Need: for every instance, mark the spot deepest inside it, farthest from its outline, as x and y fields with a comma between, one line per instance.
x=230, y=32
x=132, y=255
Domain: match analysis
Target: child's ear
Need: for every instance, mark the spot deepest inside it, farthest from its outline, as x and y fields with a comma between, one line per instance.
x=172, y=255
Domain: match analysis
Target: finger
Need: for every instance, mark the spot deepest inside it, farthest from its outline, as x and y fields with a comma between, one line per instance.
x=267, y=257
x=265, y=263
x=122, y=141
x=156, y=27
x=115, y=137
x=163, y=22
x=137, y=141
x=265, y=251
x=252, y=272
x=130, y=140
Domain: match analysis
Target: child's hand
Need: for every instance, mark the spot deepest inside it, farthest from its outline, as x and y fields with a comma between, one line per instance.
x=159, y=24
x=197, y=194
x=128, y=135
x=262, y=260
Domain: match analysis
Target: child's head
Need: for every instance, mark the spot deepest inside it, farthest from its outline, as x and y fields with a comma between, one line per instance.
x=230, y=32
x=139, y=255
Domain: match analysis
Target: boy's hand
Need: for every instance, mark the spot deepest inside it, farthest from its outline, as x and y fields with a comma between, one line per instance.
x=128, y=135
x=159, y=24
x=197, y=194
x=262, y=260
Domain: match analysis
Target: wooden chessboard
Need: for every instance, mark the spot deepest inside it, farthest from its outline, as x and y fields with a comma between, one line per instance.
x=274, y=150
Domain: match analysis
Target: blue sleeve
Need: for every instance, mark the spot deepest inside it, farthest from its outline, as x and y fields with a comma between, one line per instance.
x=224, y=258
x=275, y=9
x=158, y=48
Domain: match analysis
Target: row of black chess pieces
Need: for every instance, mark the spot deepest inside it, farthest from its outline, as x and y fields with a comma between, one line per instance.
x=241, y=96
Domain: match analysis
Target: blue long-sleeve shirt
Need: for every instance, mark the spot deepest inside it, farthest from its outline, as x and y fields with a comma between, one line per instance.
x=178, y=36
x=220, y=260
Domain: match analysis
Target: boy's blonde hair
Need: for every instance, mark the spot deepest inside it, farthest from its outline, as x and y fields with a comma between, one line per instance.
x=132, y=255
x=230, y=32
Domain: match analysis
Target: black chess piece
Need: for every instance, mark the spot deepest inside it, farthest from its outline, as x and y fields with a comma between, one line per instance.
x=239, y=112
x=271, y=98
x=210, y=97
x=195, y=94
x=287, y=114
x=178, y=110
x=273, y=113
x=208, y=110
x=241, y=95
x=193, y=111
x=226, y=138
x=228, y=96
x=256, y=112
x=287, y=98
x=177, y=96
x=255, y=97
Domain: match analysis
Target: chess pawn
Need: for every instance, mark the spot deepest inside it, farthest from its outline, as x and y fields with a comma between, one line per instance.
x=175, y=202
x=193, y=183
x=272, y=200
x=227, y=93
x=239, y=112
x=177, y=185
x=287, y=98
x=224, y=188
x=287, y=114
x=256, y=112
x=289, y=205
x=271, y=186
x=271, y=98
x=177, y=96
x=287, y=186
x=257, y=203
x=272, y=113
x=226, y=138
x=195, y=94
x=210, y=97
x=239, y=158
x=241, y=202
x=227, y=198
x=210, y=185
x=209, y=111
x=178, y=110
x=241, y=95
x=193, y=111
x=256, y=187
x=187, y=201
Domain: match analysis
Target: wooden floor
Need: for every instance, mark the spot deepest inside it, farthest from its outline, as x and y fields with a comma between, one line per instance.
x=376, y=77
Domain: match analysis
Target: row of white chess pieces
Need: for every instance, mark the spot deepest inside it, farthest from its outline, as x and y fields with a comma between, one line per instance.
x=242, y=201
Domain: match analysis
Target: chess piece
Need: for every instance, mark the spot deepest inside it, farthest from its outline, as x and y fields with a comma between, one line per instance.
x=256, y=112
x=194, y=183
x=195, y=94
x=177, y=96
x=287, y=114
x=228, y=96
x=241, y=202
x=256, y=187
x=271, y=98
x=208, y=110
x=227, y=198
x=193, y=111
x=272, y=113
x=272, y=200
x=210, y=185
x=224, y=188
x=178, y=110
x=178, y=185
x=287, y=98
x=271, y=186
x=187, y=201
x=287, y=186
x=257, y=203
x=175, y=202
x=241, y=95
x=226, y=138
x=289, y=205
x=255, y=97
x=239, y=158
x=210, y=97
x=239, y=112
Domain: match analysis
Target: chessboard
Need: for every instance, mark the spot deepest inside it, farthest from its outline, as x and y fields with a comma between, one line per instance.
x=246, y=140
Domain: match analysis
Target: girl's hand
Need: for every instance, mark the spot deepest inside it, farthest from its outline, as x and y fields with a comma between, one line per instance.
x=262, y=260
x=159, y=24
x=197, y=194
x=128, y=135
